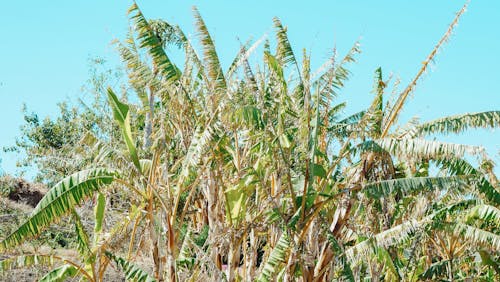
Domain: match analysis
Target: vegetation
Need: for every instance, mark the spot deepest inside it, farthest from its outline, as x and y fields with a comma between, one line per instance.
x=254, y=174
x=61, y=146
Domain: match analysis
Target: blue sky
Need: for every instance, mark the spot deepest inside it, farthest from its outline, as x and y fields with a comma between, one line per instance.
x=46, y=46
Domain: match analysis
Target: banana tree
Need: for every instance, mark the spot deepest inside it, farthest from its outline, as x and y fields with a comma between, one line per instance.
x=254, y=174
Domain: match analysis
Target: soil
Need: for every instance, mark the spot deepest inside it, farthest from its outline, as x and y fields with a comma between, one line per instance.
x=26, y=193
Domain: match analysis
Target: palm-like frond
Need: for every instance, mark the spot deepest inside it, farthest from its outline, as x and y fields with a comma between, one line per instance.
x=166, y=33
x=284, y=51
x=151, y=42
x=344, y=127
x=424, y=149
x=212, y=64
x=392, y=236
x=25, y=261
x=484, y=212
x=60, y=274
x=414, y=184
x=190, y=52
x=199, y=144
x=459, y=123
x=82, y=239
x=376, y=108
x=140, y=75
x=277, y=257
x=132, y=272
x=462, y=167
x=478, y=236
x=59, y=201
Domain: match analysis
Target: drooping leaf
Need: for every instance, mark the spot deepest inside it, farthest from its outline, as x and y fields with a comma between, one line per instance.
x=25, y=261
x=140, y=75
x=478, y=236
x=462, y=167
x=60, y=274
x=59, y=201
x=459, y=123
x=243, y=55
x=414, y=184
x=276, y=258
x=421, y=148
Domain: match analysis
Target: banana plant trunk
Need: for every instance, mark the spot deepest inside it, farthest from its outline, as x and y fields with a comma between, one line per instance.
x=214, y=227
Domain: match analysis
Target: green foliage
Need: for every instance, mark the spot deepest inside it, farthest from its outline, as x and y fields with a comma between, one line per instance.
x=25, y=261
x=59, y=201
x=7, y=185
x=60, y=274
x=63, y=144
x=459, y=123
x=231, y=159
x=276, y=258
x=83, y=245
x=153, y=44
x=415, y=184
x=122, y=116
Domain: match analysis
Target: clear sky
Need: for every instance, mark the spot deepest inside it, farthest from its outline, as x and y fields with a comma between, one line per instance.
x=45, y=47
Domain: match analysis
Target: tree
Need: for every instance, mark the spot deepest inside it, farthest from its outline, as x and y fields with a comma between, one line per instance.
x=61, y=146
